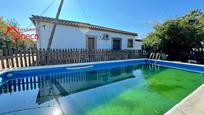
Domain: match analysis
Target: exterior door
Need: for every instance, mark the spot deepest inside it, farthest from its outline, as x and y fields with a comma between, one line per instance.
x=91, y=43
x=116, y=44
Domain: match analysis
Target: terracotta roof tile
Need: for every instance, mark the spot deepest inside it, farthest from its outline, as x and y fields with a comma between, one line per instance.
x=78, y=24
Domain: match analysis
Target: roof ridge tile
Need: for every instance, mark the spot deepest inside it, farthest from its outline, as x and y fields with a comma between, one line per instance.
x=78, y=24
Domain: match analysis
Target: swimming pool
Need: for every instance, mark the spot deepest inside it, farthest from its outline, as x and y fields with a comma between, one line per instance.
x=132, y=87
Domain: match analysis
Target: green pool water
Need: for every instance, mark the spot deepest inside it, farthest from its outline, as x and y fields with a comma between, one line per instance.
x=123, y=90
x=160, y=89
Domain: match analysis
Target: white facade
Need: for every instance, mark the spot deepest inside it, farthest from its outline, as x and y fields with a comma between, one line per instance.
x=76, y=37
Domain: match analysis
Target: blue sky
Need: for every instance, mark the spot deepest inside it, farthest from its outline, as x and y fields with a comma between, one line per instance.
x=130, y=15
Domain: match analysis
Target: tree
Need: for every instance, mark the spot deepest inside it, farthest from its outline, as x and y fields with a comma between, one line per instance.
x=178, y=37
x=10, y=41
x=152, y=43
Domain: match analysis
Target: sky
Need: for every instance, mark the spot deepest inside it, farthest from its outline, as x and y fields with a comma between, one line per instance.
x=130, y=15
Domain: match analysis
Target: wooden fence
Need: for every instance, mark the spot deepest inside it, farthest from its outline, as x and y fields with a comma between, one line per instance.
x=13, y=58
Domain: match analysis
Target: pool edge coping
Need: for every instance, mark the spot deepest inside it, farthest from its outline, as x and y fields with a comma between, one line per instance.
x=101, y=62
x=64, y=65
x=187, y=98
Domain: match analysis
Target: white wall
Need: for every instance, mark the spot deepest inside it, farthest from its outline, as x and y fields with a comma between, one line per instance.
x=74, y=37
x=138, y=45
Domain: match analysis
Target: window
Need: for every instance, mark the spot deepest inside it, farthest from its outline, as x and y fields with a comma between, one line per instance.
x=130, y=43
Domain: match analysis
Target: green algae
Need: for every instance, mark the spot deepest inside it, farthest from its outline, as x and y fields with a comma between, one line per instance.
x=156, y=94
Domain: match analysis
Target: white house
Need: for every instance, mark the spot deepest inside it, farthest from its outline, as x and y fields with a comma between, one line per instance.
x=70, y=34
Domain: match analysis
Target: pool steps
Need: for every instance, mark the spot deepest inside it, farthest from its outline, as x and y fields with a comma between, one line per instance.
x=156, y=56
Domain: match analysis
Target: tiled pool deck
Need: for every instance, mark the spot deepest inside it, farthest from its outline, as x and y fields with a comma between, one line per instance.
x=191, y=105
